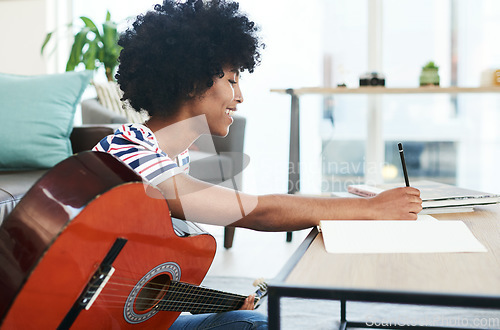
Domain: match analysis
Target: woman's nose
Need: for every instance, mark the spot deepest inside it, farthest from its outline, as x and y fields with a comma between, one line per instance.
x=238, y=96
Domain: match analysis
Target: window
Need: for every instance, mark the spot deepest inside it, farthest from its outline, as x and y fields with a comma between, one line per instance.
x=448, y=138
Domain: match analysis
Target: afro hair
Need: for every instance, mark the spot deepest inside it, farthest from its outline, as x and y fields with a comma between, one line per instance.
x=173, y=53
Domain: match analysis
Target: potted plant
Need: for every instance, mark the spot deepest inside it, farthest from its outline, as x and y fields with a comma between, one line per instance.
x=93, y=47
x=429, y=75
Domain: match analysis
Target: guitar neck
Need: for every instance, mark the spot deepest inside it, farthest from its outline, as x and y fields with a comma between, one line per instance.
x=184, y=297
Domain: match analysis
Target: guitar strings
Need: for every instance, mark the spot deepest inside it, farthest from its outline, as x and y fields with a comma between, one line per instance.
x=214, y=304
x=181, y=305
x=194, y=297
x=177, y=290
x=179, y=287
x=172, y=282
x=180, y=294
x=185, y=295
x=178, y=303
x=129, y=283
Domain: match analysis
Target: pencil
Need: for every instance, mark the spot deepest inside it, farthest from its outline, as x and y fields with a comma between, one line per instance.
x=403, y=163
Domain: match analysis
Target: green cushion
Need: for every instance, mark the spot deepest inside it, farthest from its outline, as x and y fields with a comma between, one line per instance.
x=36, y=118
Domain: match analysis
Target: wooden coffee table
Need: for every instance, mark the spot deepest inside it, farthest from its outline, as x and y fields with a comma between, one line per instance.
x=438, y=279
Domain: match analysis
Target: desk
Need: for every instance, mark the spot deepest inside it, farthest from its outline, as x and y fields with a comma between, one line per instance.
x=439, y=279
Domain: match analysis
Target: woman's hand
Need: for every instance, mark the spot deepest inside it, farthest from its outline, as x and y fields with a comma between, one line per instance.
x=400, y=203
x=248, y=304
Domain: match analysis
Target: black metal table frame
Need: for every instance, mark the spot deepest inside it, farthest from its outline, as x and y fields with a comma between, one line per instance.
x=278, y=289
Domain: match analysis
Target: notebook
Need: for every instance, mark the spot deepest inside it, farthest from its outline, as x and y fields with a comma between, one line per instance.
x=396, y=236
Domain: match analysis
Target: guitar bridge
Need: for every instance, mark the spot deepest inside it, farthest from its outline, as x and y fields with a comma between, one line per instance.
x=95, y=286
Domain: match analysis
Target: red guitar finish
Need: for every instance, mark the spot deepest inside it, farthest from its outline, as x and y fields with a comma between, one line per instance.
x=55, y=239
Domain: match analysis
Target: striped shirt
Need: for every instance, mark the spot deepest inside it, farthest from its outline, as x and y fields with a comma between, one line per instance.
x=136, y=146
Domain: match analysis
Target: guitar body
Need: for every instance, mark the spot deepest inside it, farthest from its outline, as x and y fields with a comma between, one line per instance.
x=60, y=233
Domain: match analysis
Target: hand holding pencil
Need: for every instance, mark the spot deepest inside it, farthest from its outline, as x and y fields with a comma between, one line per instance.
x=400, y=203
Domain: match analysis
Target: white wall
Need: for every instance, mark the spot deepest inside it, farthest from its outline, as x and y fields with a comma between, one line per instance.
x=23, y=27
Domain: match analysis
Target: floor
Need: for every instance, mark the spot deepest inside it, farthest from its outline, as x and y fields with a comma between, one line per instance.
x=254, y=254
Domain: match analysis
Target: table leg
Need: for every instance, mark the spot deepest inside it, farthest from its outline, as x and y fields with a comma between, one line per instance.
x=273, y=311
x=294, y=156
x=343, y=319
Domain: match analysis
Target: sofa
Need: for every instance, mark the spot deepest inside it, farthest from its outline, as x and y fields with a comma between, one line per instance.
x=14, y=184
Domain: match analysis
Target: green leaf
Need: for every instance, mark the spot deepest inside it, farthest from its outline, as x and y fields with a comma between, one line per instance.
x=108, y=16
x=91, y=25
x=89, y=57
x=47, y=39
x=110, y=35
x=75, y=56
x=110, y=45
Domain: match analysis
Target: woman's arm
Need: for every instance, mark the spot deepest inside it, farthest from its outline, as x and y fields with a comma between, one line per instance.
x=289, y=212
x=189, y=198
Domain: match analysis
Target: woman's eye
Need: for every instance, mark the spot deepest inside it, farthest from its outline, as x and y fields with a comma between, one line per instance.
x=232, y=82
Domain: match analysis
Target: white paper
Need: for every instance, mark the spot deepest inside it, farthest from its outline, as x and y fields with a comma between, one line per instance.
x=395, y=236
x=426, y=217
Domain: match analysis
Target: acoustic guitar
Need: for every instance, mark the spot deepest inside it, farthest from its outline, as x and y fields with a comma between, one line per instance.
x=91, y=246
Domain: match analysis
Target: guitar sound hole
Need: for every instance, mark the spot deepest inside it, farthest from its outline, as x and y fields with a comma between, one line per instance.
x=152, y=292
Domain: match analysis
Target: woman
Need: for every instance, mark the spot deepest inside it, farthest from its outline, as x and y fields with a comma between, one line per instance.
x=180, y=63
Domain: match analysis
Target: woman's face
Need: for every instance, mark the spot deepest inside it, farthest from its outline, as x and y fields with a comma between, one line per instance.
x=219, y=102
